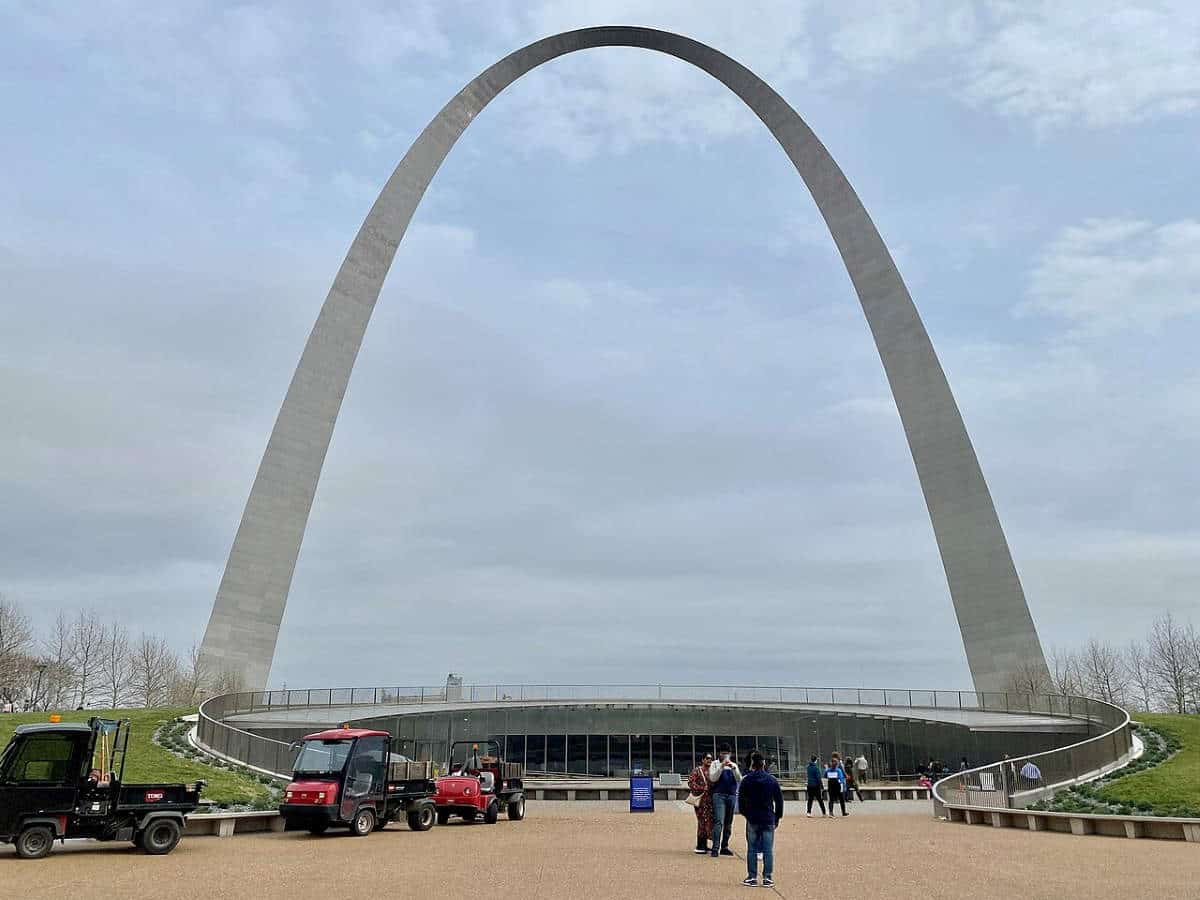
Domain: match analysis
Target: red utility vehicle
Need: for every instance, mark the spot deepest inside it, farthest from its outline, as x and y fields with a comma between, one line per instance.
x=349, y=778
x=479, y=784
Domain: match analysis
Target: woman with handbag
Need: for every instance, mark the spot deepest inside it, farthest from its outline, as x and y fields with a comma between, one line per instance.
x=700, y=799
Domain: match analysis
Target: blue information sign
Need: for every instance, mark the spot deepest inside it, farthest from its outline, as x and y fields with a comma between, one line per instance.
x=641, y=793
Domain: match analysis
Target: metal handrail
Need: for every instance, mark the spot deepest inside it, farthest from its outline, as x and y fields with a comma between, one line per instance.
x=997, y=701
x=1012, y=784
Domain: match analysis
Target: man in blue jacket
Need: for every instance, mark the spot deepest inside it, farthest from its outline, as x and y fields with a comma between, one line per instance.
x=761, y=801
x=813, y=790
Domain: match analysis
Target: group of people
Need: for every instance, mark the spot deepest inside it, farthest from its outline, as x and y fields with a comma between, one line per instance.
x=718, y=789
x=836, y=780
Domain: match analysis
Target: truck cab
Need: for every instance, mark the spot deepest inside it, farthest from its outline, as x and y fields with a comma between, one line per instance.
x=350, y=778
x=63, y=780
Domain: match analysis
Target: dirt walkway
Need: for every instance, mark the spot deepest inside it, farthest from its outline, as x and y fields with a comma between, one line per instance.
x=581, y=851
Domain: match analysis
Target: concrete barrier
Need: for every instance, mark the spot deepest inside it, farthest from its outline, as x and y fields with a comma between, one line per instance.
x=1153, y=827
x=226, y=824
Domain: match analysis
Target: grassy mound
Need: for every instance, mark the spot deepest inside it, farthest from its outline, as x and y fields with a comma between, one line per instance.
x=1172, y=788
x=148, y=762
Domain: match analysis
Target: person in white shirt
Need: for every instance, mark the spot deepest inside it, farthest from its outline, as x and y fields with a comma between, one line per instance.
x=724, y=775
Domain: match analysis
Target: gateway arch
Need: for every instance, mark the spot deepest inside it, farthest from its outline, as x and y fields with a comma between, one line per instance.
x=997, y=629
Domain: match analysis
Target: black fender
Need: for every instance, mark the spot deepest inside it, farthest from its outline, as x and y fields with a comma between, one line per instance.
x=514, y=797
x=421, y=803
x=54, y=823
x=164, y=814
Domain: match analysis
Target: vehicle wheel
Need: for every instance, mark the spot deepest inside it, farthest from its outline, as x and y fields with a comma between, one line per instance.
x=469, y=816
x=34, y=842
x=443, y=816
x=421, y=819
x=161, y=837
x=492, y=814
x=516, y=810
x=364, y=823
x=318, y=827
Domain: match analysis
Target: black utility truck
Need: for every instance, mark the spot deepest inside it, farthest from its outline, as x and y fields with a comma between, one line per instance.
x=62, y=780
x=350, y=778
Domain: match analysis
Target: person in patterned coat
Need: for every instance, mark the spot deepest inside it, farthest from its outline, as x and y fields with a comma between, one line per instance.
x=698, y=783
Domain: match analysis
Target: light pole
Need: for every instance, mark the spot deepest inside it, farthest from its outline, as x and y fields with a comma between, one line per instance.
x=37, y=685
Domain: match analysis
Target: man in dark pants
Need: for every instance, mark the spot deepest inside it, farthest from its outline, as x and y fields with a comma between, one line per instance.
x=724, y=775
x=813, y=791
x=761, y=801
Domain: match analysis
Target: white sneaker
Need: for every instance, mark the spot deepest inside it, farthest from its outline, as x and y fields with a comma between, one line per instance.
x=808, y=815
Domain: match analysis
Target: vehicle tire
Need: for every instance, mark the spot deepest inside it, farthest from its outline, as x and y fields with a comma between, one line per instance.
x=443, y=816
x=34, y=842
x=492, y=814
x=516, y=810
x=160, y=837
x=363, y=823
x=469, y=816
x=421, y=819
x=318, y=828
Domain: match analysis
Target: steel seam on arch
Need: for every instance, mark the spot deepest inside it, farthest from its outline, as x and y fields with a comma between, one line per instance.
x=998, y=632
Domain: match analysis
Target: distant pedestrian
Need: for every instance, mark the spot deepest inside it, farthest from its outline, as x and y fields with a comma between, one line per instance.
x=963, y=765
x=701, y=792
x=861, y=766
x=835, y=780
x=761, y=801
x=852, y=784
x=724, y=775
x=813, y=790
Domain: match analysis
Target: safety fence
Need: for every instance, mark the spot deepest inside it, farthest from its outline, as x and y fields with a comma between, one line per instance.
x=1016, y=783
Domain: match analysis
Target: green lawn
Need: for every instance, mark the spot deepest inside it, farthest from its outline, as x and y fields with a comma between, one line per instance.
x=1174, y=785
x=150, y=763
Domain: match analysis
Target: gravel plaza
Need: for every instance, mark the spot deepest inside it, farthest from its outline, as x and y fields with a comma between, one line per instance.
x=892, y=849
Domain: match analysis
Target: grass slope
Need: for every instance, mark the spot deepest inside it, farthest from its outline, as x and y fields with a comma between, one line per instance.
x=1174, y=785
x=149, y=763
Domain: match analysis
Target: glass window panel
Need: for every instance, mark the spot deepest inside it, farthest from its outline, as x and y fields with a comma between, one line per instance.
x=535, y=752
x=556, y=753
x=618, y=755
x=598, y=755
x=660, y=753
x=685, y=761
x=745, y=744
x=577, y=746
x=704, y=744
x=639, y=752
x=514, y=752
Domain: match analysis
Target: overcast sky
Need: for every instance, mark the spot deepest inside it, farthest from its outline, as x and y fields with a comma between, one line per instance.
x=618, y=416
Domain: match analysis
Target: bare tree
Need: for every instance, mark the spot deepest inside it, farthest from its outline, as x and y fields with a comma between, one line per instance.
x=16, y=641
x=116, y=669
x=154, y=669
x=1169, y=663
x=1065, y=672
x=59, y=676
x=1141, y=679
x=1104, y=674
x=1029, y=678
x=192, y=678
x=87, y=645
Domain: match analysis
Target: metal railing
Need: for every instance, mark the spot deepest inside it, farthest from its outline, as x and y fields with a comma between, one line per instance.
x=993, y=701
x=1016, y=783
x=276, y=757
x=214, y=734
